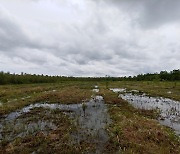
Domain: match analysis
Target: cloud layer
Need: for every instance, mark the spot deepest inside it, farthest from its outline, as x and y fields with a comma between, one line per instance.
x=88, y=37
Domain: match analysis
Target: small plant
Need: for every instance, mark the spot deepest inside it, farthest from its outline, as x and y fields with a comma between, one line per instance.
x=107, y=84
x=84, y=106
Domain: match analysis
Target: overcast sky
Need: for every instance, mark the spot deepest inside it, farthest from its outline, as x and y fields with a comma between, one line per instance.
x=89, y=37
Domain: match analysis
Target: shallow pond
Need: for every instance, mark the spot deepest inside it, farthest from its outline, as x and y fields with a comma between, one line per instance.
x=90, y=117
x=169, y=109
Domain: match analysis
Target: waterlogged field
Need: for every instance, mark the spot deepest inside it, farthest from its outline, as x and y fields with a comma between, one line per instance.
x=90, y=117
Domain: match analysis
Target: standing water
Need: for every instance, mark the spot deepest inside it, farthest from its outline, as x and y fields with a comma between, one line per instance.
x=90, y=117
x=96, y=89
x=169, y=109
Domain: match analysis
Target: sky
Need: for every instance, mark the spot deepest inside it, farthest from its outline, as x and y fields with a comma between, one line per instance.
x=89, y=37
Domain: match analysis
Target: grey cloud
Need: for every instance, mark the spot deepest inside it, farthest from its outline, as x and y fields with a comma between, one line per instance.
x=150, y=13
x=10, y=35
x=13, y=36
x=107, y=40
x=159, y=12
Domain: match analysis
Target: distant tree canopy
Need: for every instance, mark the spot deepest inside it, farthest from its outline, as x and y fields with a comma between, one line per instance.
x=23, y=78
x=162, y=76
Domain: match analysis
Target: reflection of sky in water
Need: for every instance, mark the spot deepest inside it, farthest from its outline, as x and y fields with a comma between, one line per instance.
x=170, y=109
x=92, y=122
x=116, y=90
x=96, y=89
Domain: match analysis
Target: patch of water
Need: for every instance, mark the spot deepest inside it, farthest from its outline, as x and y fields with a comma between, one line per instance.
x=96, y=89
x=20, y=128
x=135, y=91
x=64, y=107
x=90, y=117
x=169, y=109
x=92, y=123
x=118, y=90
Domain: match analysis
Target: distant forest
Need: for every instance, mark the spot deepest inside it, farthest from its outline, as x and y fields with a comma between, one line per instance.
x=23, y=78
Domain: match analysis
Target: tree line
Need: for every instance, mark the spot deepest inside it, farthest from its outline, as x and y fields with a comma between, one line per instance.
x=23, y=78
x=162, y=76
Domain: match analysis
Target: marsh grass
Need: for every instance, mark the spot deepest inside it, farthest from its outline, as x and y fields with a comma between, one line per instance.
x=48, y=140
x=153, y=88
x=15, y=97
x=131, y=131
x=136, y=131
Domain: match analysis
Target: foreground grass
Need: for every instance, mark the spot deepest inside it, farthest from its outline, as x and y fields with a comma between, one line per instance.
x=136, y=131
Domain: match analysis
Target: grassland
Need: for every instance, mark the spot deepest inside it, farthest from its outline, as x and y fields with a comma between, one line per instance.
x=13, y=97
x=137, y=131
x=131, y=131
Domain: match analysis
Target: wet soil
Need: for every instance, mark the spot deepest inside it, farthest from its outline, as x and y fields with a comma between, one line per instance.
x=90, y=117
x=169, y=109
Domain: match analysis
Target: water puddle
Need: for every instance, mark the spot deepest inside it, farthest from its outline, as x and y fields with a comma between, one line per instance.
x=93, y=123
x=18, y=124
x=21, y=128
x=96, y=89
x=169, y=109
x=118, y=90
x=90, y=117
